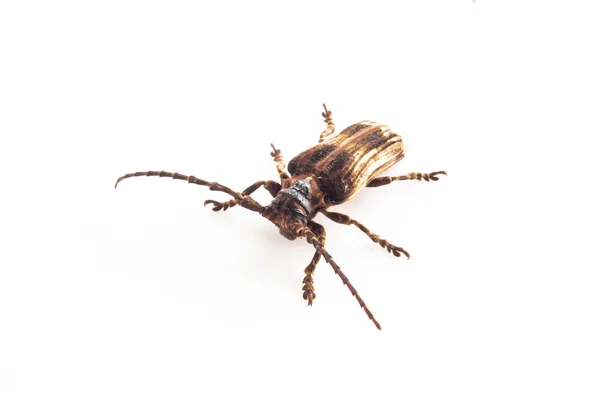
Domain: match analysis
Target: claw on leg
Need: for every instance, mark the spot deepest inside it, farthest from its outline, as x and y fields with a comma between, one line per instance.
x=275, y=152
x=433, y=176
x=330, y=125
x=395, y=250
x=220, y=206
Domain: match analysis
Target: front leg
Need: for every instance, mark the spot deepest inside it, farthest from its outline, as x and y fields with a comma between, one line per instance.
x=346, y=220
x=386, y=180
x=308, y=282
x=312, y=239
x=272, y=186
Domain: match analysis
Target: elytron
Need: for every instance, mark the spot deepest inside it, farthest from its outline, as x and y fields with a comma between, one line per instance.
x=325, y=175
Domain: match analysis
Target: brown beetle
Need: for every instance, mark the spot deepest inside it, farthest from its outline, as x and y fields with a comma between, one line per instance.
x=325, y=175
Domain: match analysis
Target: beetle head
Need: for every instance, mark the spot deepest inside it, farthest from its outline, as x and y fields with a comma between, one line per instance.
x=291, y=209
x=288, y=213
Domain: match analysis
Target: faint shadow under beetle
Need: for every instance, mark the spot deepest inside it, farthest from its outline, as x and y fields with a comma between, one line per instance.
x=325, y=175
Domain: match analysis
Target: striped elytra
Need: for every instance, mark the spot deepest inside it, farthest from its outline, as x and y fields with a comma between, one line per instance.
x=346, y=162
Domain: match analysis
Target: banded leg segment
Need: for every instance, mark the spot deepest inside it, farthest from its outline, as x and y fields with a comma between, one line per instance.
x=346, y=220
x=312, y=239
x=276, y=154
x=272, y=187
x=330, y=125
x=244, y=201
x=308, y=281
x=386, y=180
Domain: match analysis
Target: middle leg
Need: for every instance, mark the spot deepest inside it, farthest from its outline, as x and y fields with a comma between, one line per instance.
x=346, y=220
x=386, y=180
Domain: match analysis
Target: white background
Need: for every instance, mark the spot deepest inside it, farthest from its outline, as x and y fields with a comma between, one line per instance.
x=143, y=293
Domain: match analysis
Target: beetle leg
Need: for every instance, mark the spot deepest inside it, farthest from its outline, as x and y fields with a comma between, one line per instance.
x=308, y=282
x=386, y=180
x=346, y=220
x=276, y=154
x=312, y=239
x=244, y=201
x=272, y=186
x=330, y=125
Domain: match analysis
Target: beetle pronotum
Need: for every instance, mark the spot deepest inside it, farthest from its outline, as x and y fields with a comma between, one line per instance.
x=325, y=175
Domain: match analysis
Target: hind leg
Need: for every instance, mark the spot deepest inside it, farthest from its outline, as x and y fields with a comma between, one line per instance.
x=330, y=125
x=386, y=180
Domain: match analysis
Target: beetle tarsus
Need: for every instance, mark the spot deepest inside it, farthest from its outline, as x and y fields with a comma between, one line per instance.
x=330, y=125
x=309, y=290
x=395, y=250
x=386, y=180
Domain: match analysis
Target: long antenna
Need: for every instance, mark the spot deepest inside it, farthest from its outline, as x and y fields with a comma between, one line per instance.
x=311, y=238
x=244, y=201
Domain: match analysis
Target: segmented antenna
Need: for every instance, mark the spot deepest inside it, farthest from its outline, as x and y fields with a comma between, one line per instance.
x=311, y=238
x=244, y=201
x=164, y=174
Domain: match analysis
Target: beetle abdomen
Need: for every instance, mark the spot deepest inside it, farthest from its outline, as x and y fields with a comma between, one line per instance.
x=346, y=162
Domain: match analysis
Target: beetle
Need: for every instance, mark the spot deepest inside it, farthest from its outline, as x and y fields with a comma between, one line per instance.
x=325, y=175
